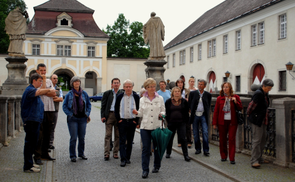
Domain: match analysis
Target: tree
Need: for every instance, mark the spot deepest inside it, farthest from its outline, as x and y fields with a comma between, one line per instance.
x=5, y=7
x=126, y=40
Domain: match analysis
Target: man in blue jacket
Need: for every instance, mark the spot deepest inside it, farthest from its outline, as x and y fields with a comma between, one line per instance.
x=32, y=111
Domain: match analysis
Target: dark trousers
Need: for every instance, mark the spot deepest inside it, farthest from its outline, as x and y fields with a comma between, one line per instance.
x=181, y=131
x=146, y=139
x=231, y=130
x=188, y=129
x=32, y=133
x=53, y=127
x=126, y=134
x=44, y=135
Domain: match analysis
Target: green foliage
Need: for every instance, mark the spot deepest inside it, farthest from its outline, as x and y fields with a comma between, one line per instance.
x=5, y=7
x=126, y=40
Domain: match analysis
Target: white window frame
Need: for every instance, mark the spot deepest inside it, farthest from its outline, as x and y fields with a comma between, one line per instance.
x=238, y=40
x=225, y=44
x=173, y=61
x=91, y=51
x=59, y=50
x=36, y=49
x=167, y=62
x=209, y=48
x=68, y=50
x=261, y=36
x=192, y=54
x=283, y=26
x=253, y=35
x=213, y=47
x=200, y=52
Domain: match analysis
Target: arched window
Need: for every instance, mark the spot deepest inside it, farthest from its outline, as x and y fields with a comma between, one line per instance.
x=212, y=82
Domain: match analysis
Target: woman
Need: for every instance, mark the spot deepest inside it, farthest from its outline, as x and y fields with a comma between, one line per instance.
x=77, y=107
x=177, y=117
x=151, y=107
x=225, y=119
x=185, y=94
x=191, y=84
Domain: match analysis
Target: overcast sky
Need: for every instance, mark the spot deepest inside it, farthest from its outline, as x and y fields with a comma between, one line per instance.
x=176, y=15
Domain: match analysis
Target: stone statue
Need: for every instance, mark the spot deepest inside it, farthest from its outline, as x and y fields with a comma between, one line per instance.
x=15, y=27
x=154, y=33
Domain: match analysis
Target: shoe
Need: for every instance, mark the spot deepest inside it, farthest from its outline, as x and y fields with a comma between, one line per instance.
x=145, y=174
x=232, y=162
x=179, y=145
x=32, y=170
x=155, y=170
x=128, y=162
x=189, y=145
x=206, y=154
x=83, y=157
x=106, y=157
x=51, y=147
x=36, y=166
x=167, y=155
x=187, y=158
x=256, y=165
x=123, y=163
x=264, y=162
x=223, y=160
x=197, y=152
x=116, y=156
x=38, y=161
x=73, y=160
x=48, y=150
x=48, y=158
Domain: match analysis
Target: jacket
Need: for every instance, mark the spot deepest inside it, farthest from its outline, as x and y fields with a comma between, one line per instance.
x=149, y=111
x=68, y=103
x=106, y=103
x=218, y=116
x=184, y=110
x=118, y=102
x=194, y=101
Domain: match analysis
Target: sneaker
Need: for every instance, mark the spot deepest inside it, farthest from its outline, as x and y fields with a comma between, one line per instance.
x=32, y=170
x=36, y=166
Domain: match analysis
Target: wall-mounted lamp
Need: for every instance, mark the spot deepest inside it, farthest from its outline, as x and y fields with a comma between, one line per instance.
x=289, y=67
x=168, y=81
x=227, y=74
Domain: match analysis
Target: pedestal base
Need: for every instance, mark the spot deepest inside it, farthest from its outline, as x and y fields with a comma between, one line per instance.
x=155, y=70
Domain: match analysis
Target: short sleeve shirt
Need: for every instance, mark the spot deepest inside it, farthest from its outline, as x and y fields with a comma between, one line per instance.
x=48, y=101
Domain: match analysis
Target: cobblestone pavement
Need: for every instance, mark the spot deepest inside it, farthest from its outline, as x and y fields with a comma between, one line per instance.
x=201, y=168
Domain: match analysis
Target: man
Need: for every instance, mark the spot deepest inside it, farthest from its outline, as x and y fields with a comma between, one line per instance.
x=56, y=100
x=45, y=128
x=200, y=102
x=166, y=94
x=258, y=115
x=108, y=117
x=32, y=109
x=127, y=121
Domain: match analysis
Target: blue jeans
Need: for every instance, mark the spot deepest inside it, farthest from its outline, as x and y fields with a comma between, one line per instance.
x=146, y=139
x=197, y=121
x=32, y=134
x=77, y=129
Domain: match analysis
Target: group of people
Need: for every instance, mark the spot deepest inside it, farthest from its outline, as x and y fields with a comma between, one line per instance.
x=122, y=108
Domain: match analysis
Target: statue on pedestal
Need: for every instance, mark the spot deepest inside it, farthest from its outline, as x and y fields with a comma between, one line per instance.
x=15, y=27
x=154, y=33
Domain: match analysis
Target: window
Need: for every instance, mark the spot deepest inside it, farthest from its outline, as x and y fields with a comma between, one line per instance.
x=36, y=49
x=238, y=83
x=91, y=51
x=192, y=54
x=182, y=57
x=60, y=50
x=67, y=50
x=254, y=35
x=283, y=81
x=173, y=61
x=224, y=79
x=200, y=51
x=209, y=49
x=238, y=40
x=283, y=26
x=167, y=62
x=225, y=44
x=214, y=47
x=261, y=33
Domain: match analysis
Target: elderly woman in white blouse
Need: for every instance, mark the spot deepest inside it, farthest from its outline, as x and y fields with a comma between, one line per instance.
x=151, y=107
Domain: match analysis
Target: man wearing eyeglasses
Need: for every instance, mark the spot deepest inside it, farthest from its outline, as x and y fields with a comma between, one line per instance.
x=57, y=99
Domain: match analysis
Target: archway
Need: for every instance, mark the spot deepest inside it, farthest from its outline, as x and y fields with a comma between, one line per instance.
x=91, y=82
x=64, y=77
x=212, y=82
x=258, y=74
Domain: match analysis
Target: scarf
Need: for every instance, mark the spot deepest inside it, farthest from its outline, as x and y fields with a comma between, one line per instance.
x=80, y=104
x=226, y=107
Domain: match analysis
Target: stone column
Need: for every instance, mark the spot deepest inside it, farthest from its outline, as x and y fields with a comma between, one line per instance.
x=155, y=69
x=98, y=82
x=18, y=119
x=82, y=82
x=283, y=140
x=11, y=117
x=3, y=120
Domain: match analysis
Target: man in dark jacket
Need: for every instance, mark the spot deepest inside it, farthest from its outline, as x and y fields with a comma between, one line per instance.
x=108, y=117
x=258, y=115
x=127, y=121
x=199, y=103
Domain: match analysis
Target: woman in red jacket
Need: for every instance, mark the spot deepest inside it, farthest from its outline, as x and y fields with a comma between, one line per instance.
x=225, y=119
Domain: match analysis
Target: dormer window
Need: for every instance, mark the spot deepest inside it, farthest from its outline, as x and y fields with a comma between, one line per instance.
x=64, y=20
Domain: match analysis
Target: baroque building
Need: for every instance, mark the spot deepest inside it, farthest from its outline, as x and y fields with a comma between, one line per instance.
x=251, y=40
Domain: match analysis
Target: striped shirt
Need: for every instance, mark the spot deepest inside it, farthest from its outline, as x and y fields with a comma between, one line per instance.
x=126, y=107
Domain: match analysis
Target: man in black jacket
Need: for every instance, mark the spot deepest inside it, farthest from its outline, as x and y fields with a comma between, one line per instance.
x=108, y=117
x=127, y=121
x=199, y=103
x=258, y=115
